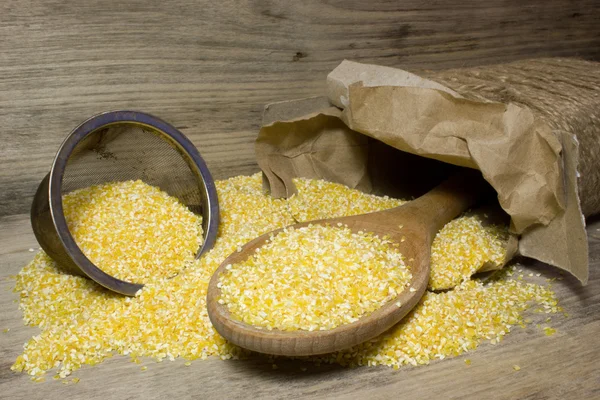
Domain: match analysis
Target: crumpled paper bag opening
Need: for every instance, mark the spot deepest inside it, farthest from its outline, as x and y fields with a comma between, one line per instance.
x=382, y=110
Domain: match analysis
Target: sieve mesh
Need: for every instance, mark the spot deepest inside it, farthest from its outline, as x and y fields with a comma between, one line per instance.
x=127, y=151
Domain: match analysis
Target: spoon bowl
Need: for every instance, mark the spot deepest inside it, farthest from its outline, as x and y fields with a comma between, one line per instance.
x=412, y=226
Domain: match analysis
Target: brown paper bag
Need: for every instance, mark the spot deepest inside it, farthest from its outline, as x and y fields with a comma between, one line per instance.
x=531, y=127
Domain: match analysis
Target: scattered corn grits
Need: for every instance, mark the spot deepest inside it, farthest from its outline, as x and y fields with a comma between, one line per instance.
x=319, y=199
x=462, y=247
x=449, y=323
x=314, y=278
x=150, y=234
x=83, y=324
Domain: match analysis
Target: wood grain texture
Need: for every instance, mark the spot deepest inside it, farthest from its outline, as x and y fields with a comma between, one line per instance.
x=411, y=227
x=210, y=67
x=562, y=366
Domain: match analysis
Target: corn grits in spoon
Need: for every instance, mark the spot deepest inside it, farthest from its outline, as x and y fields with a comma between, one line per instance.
x=253, y=319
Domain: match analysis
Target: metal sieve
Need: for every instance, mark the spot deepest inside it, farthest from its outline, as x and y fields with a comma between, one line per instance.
x=119, y=146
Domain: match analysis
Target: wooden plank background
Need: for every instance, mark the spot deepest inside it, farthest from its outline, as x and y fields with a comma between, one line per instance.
x=209, y=67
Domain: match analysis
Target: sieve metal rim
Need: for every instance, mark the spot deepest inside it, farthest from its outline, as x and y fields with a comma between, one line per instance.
x=210, y=207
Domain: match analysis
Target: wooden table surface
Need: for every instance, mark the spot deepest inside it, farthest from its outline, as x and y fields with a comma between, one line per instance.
x=209, y=68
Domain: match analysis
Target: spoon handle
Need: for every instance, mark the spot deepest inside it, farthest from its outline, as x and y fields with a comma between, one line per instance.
x=446, y=201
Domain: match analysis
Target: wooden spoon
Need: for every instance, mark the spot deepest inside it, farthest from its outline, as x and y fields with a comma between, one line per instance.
x=412, y=225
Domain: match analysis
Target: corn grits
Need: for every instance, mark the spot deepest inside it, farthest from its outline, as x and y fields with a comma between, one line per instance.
x=82, y=324
x=314, y=278
x=150, y=234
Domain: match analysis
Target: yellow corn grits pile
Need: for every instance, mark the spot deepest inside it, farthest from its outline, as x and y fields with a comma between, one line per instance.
x=82, y=324
x=450, y=323
x=462, y=247
x=314, y=278
x=133, y=231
